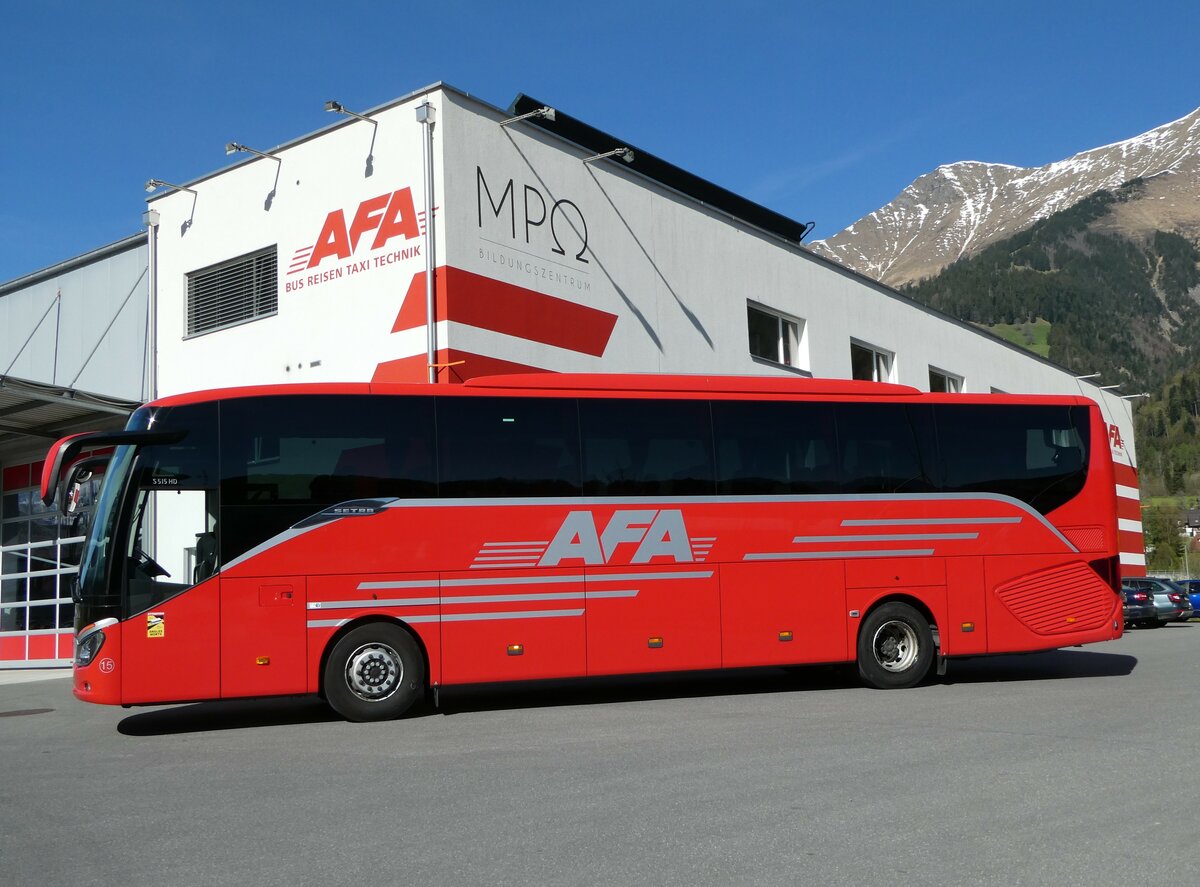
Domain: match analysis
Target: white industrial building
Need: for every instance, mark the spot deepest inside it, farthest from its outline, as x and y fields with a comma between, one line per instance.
x=554, y=247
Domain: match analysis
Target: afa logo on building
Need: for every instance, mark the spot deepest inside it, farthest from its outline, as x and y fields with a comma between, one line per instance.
x=377, y=221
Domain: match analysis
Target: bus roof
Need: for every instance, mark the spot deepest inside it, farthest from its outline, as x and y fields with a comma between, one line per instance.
x=613, y=383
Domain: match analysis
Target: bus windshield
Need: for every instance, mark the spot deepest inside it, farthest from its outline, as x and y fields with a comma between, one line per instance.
x=158, y=541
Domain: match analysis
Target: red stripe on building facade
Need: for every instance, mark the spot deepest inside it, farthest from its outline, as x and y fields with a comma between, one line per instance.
x=1129, y=509
x=1125, y=475
x=474, y=300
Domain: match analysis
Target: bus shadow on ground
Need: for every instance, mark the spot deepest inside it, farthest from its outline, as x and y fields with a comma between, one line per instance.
x=291, y=711
x=239, y=714
x=1046, y=666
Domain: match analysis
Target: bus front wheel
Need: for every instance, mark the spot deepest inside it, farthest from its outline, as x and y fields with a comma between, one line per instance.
x=895, y=647
x=374, y=673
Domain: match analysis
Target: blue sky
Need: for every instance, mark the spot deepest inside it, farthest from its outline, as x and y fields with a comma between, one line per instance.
x=822, y=111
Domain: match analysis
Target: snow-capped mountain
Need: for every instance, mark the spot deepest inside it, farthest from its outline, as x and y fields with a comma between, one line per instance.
x=958, y=209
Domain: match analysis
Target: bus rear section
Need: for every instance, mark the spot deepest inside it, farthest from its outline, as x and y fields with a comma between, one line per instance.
x=371, y=546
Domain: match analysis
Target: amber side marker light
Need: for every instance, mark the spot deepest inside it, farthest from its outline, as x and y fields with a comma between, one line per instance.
x=262, y=660
x=785, y=636
x=654, y=643
x=516, y=649
x=968, y=627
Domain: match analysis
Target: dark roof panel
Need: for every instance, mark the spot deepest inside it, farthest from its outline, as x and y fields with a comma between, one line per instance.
x=597, y=142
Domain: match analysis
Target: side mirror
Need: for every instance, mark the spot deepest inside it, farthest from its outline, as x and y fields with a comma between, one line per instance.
x=74, y=479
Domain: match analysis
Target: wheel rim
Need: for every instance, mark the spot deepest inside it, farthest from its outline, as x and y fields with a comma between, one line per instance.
x=374, y=672
x=896, y=646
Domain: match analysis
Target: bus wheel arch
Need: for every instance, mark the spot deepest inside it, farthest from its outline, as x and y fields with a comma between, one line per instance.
x=897, y=643
x=373, y=669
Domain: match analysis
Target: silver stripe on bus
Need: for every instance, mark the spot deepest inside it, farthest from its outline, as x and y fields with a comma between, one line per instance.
x=506, y=544
x=515, y=614
x=926, y=521
x=470, y=599
x=511, y=558
x=891, y=537
x=399, y=602
x=812, y=555
x=462, y=617
x=535, y=580
x=278, y=539
x=587, y=501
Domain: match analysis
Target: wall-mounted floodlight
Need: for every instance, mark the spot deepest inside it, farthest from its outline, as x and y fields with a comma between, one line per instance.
x=625, y=154
x=543, y=113
x=234, y=148
x=339, y=108
x=1089, y=376
x=1135, y=396
x=1111, y=387
x=154, y=184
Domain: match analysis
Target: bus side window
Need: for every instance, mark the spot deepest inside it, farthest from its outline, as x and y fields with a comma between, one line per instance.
x=1033, y=453
x=879, y=450
x=774, y=448
x=647, y=447
x=507, y=446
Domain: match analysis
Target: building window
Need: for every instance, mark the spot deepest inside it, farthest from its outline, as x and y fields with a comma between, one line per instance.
x=869, y=363
x=776, y=337
x=233, y=292
x=941, y=381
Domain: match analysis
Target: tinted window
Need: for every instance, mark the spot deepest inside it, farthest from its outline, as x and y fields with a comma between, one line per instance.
x=774, y=448
x=508, y=446
x=1037, y=454
x=188, y=464
x=284, y=458
x=878, y=449
x=647, y=448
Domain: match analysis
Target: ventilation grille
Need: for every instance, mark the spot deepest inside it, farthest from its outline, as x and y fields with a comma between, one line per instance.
x=233, y=292
x=1085, y=538
x=1060, y=600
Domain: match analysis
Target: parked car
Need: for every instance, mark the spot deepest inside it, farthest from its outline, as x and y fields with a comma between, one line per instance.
x=1138, y=607
x=1192, y=587
x=1170, y=600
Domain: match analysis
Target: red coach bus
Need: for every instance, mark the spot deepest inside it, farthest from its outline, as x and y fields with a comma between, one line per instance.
x=371, y=543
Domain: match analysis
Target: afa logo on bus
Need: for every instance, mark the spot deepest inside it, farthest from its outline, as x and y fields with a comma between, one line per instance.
x=645, y=533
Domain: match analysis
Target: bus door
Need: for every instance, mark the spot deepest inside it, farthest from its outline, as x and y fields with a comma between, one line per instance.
x=166, y=564
x=171, y=634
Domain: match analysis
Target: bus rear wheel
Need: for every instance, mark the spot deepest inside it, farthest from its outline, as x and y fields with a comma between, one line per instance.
x=895, y=647
x=374, y=673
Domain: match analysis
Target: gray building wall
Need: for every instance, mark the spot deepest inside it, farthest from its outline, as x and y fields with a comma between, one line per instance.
x=80, y=324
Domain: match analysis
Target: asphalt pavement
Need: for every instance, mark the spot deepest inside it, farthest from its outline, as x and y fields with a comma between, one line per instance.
x=1076, y=767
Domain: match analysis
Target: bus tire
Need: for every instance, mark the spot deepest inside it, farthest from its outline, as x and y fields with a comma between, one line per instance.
x=895, y=647
x=374, y=673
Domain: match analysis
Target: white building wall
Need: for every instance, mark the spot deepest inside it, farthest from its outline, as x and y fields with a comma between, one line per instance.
x=334, y=320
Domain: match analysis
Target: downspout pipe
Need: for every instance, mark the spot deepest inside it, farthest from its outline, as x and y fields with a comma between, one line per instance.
x=151, y=218
x=425, y=115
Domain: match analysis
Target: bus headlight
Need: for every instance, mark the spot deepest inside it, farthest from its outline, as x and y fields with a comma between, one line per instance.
x=89, y=642
x=87, y=647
